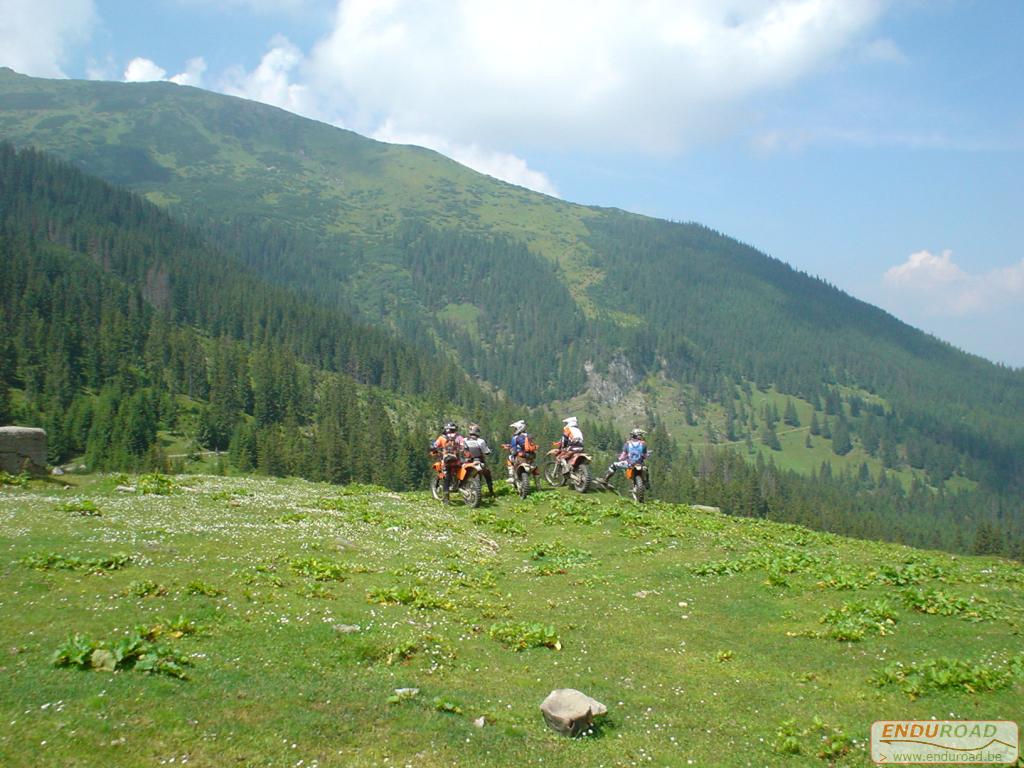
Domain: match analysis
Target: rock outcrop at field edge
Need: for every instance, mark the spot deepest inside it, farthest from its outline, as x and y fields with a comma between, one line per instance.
x=23, y=449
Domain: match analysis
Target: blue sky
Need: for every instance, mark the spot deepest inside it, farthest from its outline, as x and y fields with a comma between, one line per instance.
x=878, y=144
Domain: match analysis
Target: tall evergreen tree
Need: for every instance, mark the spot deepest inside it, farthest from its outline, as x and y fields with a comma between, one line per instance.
x=841, y=442
x=790, y=416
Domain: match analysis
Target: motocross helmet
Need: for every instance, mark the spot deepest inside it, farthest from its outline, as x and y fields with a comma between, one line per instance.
x=474, y=430
x=451, y=426
x=570, y=422
x=518, y=426
x=637, y=434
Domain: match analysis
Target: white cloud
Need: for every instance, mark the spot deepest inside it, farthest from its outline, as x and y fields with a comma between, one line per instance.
x=142, y=70
x=500, y=165
x=471, y=79
x=925, y=270
x=653, y=75
x=272, y=82
x=941, y=287
x=36, y=35
x=193, y=74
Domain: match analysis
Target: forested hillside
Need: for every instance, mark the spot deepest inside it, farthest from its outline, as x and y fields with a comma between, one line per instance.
x=114, y=318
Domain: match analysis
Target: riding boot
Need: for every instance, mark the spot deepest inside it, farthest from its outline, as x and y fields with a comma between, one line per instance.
x=608, y=475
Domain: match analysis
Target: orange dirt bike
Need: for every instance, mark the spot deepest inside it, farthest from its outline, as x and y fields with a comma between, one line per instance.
x=524, y=469
x=465, y=478
x=574, y=468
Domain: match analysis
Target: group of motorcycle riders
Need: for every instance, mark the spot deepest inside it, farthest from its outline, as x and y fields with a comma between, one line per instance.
x=453, y=448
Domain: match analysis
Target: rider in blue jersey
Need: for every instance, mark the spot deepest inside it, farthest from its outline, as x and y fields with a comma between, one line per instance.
x=634, y=451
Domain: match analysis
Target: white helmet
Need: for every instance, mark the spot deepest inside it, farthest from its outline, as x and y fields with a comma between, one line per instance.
x=570, y=422
x=518, y=426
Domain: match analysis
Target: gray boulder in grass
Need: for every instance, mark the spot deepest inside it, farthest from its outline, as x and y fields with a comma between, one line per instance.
x=571, y=712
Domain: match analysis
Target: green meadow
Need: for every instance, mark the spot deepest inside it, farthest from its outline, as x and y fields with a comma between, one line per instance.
x=223, y=621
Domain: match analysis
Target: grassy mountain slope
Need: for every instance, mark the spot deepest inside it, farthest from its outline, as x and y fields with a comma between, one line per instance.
x=204, y=151
x=447, y=256
x=296, y=610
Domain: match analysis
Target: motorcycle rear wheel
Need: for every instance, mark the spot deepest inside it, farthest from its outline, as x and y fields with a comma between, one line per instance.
x=581, y=478
x=523, y=483
x=639, y=489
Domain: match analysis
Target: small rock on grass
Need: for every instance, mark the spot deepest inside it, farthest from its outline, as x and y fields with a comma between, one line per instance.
x=570, y=712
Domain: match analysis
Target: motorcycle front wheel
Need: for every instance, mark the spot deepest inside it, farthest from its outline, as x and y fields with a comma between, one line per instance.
x=553, y=474
x=470, y=490
x=437, y=488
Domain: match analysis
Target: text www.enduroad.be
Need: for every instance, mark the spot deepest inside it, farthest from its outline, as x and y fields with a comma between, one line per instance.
x=948, y=757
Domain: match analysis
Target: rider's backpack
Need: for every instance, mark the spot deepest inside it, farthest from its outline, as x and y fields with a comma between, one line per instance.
x=635, y=450
x=529, y=446
x=450, y=451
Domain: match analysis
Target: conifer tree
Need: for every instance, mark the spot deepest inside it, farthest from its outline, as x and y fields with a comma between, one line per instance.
x=790, y=416
x=769, y=437
x=841, y=443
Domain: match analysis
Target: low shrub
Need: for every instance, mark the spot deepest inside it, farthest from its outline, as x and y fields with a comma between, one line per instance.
x=520, y=635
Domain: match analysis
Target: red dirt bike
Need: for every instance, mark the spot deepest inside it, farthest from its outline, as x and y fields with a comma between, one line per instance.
x=524, y=469
x=465, y=478
x=573, y=468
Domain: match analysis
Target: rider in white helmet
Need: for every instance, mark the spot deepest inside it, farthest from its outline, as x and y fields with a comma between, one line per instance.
x=572, y=436
x=516, y=445
x=571, y=440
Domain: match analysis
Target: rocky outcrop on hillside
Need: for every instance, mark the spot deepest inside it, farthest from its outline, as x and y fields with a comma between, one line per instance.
x=609, y=388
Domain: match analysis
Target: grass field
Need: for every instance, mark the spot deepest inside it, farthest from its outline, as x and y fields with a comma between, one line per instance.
x=295, y=610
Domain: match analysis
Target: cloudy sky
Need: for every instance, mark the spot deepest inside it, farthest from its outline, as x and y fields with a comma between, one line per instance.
x=878, y=144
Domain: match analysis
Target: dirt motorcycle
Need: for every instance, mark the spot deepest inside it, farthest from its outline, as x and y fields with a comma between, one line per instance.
x=524, y=469
x=639, y=480
x=465, y=478
x=573, y=468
